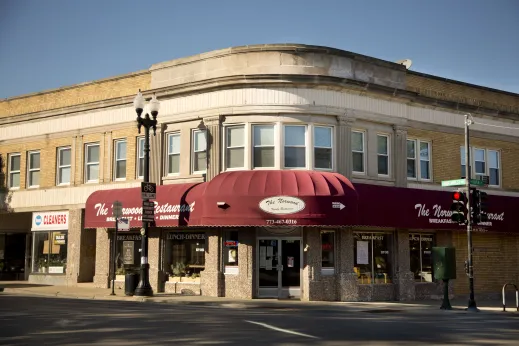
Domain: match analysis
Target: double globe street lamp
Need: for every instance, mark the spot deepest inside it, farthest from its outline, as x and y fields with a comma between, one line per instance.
x=144, y=287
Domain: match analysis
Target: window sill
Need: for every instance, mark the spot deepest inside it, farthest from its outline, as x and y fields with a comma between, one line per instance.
x=63, y=185
x=327, y=271
x=231, y=270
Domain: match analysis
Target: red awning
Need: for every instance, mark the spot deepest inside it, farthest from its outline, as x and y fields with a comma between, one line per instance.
x=175, y=205
x=279, y=198
x=385, y=206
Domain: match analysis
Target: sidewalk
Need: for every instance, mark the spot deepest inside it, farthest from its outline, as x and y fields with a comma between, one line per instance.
x=85, y=291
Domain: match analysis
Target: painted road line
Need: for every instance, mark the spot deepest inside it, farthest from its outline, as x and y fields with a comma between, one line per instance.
x=282, y=330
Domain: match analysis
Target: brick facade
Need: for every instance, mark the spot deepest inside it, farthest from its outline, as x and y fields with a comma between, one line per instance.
x=76, y=95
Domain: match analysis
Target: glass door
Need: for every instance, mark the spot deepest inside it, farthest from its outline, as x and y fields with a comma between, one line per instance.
x=268, y=275
x=279, y=268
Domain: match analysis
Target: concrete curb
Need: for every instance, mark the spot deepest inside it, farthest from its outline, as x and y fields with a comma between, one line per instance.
x=359, y=307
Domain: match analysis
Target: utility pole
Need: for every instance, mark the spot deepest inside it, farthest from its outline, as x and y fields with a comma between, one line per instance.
x=472, y=302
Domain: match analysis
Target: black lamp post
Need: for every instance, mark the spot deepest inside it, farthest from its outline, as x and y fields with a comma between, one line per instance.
x=144, y=287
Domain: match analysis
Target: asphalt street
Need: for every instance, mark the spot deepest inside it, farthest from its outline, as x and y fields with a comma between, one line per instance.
x=28, y=320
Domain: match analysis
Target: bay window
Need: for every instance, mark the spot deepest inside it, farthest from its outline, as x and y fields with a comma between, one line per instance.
x=263, y=146
x=235, y=147
x=174, y=154
x=420, y=251
x=295, y=146
x=323, y=154
x=357, y=146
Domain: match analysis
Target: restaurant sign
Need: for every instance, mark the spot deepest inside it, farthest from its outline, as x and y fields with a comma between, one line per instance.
x=437, y=215
x=282, y=205
x=164, y=211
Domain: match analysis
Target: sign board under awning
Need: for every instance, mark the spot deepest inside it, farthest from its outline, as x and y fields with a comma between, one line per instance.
x=50, y=221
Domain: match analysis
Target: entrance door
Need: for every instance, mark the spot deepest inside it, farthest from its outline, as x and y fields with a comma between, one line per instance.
x=279, y=267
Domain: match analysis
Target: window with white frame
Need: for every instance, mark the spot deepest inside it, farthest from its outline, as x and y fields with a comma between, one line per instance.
x=120, y=160
x=64, y=166
x=484, y=162
x=493, y=167
x=174, y=153
x=323, y=152
x=479, y=161
x=295, y=146
x=235, y=146
x=357, y=147
x=33, y=171
x=199, y=151
x=263, y=144
x=14, y=171
x=92, y=162
x=140, y=157
x=383, y=154
x=418, y=160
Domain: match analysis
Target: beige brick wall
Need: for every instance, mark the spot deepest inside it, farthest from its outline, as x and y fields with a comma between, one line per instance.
x=446, y=160
x=449, y=91
x=76, y=95
x=48, y=156
x=495, y=258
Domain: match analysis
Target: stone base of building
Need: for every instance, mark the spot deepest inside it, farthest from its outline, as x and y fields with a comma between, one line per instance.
x=212, y=284
x=184, y=288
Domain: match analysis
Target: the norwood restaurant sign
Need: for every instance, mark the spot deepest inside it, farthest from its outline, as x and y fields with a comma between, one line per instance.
x=388, y=206
x=162, y=211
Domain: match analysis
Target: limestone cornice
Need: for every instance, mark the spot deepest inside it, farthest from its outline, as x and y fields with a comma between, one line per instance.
x=265, y=81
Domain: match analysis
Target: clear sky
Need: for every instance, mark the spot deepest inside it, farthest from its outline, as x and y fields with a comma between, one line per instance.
x=54, y=43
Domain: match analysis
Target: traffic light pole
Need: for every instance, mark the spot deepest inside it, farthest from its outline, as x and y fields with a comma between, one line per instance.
x=472, y=302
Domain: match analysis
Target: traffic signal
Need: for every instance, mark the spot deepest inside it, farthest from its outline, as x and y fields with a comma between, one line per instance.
x=459, y=207
x=479, y=203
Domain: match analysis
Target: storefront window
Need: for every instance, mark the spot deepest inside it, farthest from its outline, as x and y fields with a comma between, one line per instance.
x=50, y=252
x=230, y=252
x=185, y=254
x=373, y=257
x=420, y=250
x=328, y=249
x=128, y=258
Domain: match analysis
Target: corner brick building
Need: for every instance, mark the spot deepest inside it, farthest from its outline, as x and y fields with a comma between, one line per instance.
x=353, y=148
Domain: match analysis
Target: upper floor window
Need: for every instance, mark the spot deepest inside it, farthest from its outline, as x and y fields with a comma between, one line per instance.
x=323, y=153
x=263, y=142
x=235, y=146
x=383, y=154
x=295, y=146
x=140, y=157
x=33, y=173
x=174, y=153
x=64, y=165
x=120, y=160
x=14, y=170
x=418, y=159
x=357, y=147
x=484, y=162
x=199, y=151
x=92, y=162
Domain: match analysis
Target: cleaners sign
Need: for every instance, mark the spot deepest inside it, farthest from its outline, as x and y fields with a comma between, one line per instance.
x=50, y=221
